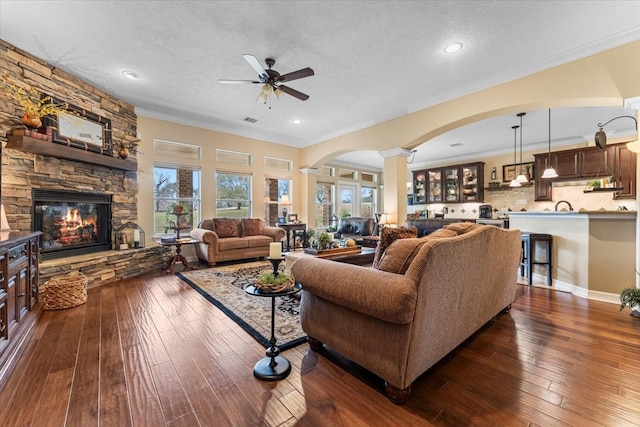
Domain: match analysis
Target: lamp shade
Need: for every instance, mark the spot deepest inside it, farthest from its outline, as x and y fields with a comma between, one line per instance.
x=549, y=173
x=515, y=183
x=284, y=200
x=634, y=146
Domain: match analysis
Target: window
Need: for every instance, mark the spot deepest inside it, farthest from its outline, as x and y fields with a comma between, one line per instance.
x=175, y=186
x=233, y=195
x=274, y=189
x=367, y=201
x=325, y=196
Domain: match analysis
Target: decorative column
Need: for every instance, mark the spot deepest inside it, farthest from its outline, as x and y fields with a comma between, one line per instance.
x=395, y=184
x=309, y=181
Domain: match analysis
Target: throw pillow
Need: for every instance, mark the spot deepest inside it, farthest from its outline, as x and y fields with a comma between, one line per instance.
x=387, y=236
x=397, y=257
x=226, y=227
x=400, y=254
x=441, y=232
x=251, y=227
x=462, y=227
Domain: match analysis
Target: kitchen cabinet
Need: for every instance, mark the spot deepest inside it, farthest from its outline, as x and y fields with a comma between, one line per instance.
x=625, y=168
x=449, y=184
x=586, y=163
x=19, y=259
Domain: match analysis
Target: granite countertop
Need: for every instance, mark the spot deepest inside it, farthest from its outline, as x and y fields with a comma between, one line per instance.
x=578, y=212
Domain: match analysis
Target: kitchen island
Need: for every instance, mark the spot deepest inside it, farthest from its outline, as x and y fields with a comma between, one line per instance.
x=593, y=251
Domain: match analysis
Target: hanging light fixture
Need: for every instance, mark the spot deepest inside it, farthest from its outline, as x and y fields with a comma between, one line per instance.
x=549, y=172
x=601, y=138
x=514, y=182
x=522, y=178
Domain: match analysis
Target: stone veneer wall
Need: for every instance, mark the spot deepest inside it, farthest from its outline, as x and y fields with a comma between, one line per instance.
x=21, y=171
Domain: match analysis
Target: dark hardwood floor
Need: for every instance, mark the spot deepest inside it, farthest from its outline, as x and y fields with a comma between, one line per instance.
x=150, y=351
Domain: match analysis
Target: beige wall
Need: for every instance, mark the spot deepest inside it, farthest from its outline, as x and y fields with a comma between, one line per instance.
x=151, y=129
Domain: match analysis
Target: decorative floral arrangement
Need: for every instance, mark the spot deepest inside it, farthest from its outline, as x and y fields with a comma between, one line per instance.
x=268, y=282
x=126, y=141
x=31, y=101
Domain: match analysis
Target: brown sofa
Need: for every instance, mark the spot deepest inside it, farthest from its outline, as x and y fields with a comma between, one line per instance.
x=227, y=239
x=400, y=320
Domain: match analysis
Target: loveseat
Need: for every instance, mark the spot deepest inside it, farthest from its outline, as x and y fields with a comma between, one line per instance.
x=429, y=225
x=425, y=298
x=355, y=227
x=227, y=239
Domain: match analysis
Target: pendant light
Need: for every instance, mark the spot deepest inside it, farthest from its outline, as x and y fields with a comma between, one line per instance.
x=522, y=179
x=514, y=182
x=549, y=172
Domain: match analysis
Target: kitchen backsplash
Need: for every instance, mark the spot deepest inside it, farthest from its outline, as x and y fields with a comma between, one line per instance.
x=519, y=199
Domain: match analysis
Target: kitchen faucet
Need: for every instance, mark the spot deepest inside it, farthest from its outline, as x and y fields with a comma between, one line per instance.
x=564, y=201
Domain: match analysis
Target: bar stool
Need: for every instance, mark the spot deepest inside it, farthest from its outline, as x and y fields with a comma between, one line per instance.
x=529, y=259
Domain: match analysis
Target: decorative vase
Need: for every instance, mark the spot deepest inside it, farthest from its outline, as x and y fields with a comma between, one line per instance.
x=123, y=153
x=31, y=121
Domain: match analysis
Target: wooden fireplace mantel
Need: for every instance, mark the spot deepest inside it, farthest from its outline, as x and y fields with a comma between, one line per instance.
x=48, y=148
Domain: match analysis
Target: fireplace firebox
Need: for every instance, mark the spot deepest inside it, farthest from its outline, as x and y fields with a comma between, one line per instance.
x=72, y=223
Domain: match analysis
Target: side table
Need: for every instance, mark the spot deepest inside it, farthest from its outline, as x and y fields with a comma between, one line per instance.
x=288, y=228
x=177, y=257
x=273, y=367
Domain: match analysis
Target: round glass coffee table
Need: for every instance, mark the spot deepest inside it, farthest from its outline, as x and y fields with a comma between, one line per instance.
x=273, y=367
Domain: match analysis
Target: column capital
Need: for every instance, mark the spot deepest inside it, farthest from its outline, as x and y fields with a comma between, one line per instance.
x=401, y=152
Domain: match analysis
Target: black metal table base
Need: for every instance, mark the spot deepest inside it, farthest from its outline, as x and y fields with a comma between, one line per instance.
x=272, y=368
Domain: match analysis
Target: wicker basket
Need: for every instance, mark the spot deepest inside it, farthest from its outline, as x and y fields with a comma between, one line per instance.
x=273, y=288
x=66, y=291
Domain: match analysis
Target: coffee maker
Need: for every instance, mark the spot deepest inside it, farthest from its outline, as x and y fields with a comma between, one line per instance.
x=486, y=211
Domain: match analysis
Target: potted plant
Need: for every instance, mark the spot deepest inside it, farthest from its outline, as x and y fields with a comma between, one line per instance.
x=324, y=241
x=631, y=296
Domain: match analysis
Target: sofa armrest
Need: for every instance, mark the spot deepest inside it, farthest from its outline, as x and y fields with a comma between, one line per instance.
x=276, y=233
x=385, y=296
x=205, y=236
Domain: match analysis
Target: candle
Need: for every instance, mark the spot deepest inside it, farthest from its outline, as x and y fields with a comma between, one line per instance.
x=275, y=250
x=136, y=235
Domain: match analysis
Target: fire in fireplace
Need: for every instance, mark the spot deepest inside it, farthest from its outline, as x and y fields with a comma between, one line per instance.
x=72, y=223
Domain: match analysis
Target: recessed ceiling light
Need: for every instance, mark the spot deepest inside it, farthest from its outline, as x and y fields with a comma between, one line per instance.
x=130, y=75
x=453, y=47
x=296, y=121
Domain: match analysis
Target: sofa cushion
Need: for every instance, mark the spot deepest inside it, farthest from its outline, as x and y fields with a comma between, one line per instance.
x=258, y=241
x=462, y=227
x=226, y=227
x=389, y=235
x=251, y=227
x=400, y=253
x=229, y=243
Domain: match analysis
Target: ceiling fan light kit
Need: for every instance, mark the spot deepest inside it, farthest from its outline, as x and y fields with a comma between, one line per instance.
x=271, y=80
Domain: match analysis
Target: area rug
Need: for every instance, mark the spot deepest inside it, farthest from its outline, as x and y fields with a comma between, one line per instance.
x=223, y=286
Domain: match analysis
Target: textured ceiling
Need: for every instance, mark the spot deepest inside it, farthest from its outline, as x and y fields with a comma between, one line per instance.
x=373, y=60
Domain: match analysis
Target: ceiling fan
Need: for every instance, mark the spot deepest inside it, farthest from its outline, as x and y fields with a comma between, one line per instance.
x=271, y=79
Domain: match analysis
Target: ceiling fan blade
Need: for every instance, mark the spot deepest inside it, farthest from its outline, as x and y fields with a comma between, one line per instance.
x=236, y=82
x=255, y=64
x=301, y=96
x=305, y=72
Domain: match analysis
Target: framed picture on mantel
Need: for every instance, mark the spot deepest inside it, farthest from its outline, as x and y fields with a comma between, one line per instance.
x=81, y=129
x=510, y=172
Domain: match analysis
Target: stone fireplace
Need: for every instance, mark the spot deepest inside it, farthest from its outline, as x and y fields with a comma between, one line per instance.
x=71, y=222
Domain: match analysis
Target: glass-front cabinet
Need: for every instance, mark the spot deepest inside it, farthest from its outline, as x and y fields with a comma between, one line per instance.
x=435, y=186
x=449, y=184
x=419, y=188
